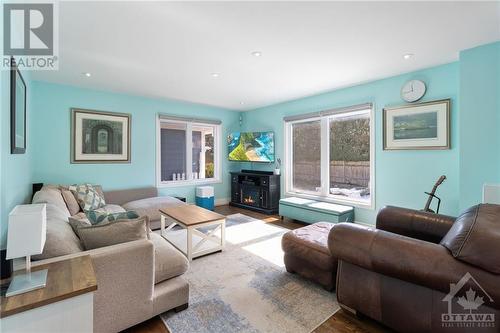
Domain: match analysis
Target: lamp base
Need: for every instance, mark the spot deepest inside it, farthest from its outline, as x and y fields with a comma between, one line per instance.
x=23, y=283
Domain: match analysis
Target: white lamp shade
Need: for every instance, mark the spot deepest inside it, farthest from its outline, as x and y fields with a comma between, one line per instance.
x=27, y=230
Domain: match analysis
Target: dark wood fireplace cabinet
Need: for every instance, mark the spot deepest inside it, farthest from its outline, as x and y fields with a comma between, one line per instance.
x=255, y=190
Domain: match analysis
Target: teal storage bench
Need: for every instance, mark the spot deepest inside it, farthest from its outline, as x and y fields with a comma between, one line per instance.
x=312, y=211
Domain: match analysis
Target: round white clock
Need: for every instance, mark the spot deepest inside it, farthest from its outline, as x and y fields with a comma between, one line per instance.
x=413, y=90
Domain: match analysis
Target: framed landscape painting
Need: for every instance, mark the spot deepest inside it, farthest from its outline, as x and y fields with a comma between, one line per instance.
x=99, y=137
x=417, y=126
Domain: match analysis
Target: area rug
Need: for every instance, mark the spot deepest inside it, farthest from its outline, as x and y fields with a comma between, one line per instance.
x=246, y=288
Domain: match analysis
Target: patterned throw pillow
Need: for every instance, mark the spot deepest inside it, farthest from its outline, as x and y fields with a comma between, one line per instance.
x=87, y=196
x=97, y=217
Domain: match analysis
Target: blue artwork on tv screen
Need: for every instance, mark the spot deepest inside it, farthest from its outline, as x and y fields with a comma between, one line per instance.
x=251, y=146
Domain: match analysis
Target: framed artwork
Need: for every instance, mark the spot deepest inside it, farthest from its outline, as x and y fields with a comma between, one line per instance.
x=17, y=111
x=417, y=126
x=99, y=137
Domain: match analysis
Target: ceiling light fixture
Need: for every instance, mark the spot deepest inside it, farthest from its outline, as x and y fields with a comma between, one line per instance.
x=256, y=53
x=215, y=74
x=408, y=56
x=87, y=74
x=242, y=103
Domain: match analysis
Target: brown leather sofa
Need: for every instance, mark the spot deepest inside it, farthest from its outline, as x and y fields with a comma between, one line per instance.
x=412, y=273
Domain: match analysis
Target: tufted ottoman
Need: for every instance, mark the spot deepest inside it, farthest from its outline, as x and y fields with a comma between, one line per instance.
x=307, y=254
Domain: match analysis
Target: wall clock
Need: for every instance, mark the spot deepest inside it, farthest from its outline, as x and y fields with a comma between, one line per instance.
x=413, y=90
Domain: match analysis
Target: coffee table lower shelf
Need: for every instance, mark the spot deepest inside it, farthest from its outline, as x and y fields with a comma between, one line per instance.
x=192, y=241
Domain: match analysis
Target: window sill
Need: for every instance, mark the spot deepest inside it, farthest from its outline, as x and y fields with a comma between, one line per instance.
x=188, y=183
x=352, y=203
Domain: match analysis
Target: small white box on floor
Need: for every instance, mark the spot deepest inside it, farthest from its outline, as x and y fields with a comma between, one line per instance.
x=205, y=197
x=205, y=191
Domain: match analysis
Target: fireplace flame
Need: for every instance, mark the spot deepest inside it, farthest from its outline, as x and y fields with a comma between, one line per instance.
x=248, y=199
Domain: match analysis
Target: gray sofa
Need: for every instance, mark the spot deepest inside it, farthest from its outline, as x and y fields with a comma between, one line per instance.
x=136, y=280
x=144, y=201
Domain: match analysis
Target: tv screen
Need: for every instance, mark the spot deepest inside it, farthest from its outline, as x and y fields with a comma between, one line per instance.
x=251, y=146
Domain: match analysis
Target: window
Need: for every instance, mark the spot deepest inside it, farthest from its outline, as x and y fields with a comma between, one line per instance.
x=329, y=155
x=187, y=151
x=307, y=156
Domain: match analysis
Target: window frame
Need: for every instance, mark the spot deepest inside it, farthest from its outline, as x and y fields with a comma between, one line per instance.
x=324, y=193
x=189, y=156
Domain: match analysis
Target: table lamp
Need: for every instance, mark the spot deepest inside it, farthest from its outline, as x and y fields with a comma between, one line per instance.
x=26, y=237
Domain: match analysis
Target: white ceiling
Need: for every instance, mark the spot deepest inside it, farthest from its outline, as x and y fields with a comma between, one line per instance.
x=170, y=49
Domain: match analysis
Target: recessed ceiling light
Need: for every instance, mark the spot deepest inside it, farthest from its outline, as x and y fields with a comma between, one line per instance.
x=242, y=103
x=256, y=53
x=87, y=74
x=408, y=56
x=215, y=74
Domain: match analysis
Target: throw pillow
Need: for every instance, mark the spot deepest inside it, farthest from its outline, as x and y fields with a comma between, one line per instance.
x=112, y=233
x=70, y=200
x=99, y=190
x=96, y=216
x=77, y=222
x=111, y=208
x=87, y=196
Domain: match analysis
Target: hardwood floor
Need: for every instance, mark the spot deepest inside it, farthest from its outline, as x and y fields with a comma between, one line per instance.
x=273, y=219
x=153, y=325
x=345, y=322
x=341, y=322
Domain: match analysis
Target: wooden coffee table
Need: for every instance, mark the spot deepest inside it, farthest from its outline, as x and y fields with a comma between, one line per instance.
x=192, y=241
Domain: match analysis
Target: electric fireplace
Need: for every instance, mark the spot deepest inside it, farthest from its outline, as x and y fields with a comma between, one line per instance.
x=250, y=195
x=256, y=190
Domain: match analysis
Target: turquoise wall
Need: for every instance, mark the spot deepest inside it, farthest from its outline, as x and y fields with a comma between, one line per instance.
x=51, y=137
x=479, y=121
x=401, y=176
x=16, y=171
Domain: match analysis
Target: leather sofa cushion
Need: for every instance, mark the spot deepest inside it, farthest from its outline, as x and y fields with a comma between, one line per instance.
x=475, y=237
x=169, y=262
x=412, y=223
x=310, y=243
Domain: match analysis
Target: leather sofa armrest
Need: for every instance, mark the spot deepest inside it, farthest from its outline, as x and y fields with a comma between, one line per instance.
x=408, y=259
x=414, y=223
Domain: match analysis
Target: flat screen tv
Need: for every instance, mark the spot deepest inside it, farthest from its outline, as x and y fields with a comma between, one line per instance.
x=251, y=146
